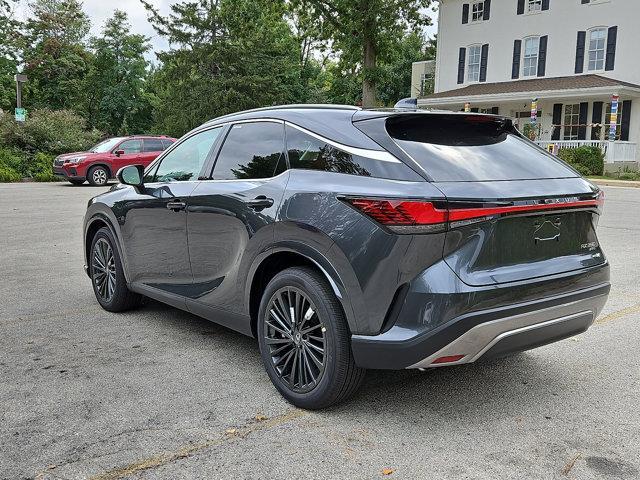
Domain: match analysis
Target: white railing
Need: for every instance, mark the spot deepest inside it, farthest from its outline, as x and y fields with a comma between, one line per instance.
x=613, y=151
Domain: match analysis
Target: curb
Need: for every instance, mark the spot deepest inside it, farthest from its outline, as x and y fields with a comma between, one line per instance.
x=615, y=183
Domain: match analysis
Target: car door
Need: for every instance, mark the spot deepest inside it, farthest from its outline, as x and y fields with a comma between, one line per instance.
x=153, y=220
x=130, y=151
x=229, y=216
x=151, y=148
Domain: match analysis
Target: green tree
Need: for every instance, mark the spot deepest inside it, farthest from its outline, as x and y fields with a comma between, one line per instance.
x=227, y=55
x=10, y=35
x=395, y=74
x=117, y=101
x=365, y=33
x=55, y=56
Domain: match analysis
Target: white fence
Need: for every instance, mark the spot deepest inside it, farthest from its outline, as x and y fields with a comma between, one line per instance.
x=613, y=151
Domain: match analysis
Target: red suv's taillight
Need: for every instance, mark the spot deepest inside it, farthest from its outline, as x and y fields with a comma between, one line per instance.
x=422, y=216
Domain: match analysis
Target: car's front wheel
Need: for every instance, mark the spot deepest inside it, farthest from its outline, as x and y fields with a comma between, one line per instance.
x=98, y=176
x=107, y=275
x=304, y=340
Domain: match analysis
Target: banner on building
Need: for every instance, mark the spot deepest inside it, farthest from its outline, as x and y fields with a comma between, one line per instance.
x=613, y=127
x=534, y=111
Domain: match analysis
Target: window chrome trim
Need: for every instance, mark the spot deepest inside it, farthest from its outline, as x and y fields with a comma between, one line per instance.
x=380, y=155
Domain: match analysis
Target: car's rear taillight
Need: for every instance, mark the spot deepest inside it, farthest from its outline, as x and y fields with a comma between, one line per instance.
x=423, y=216
x=403, y=216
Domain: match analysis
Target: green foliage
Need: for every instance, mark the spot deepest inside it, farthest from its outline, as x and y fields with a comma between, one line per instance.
x=587, y=160
x=366, y=33
x=55, y=57
x=10, y=35
x=228, y=55
x=117, y=101
x=16, y=164
x=59, y=131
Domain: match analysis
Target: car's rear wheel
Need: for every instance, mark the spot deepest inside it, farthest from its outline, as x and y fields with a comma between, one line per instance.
x=107, y=275
x=76, y=181
x=304, y=340
x=98, y=176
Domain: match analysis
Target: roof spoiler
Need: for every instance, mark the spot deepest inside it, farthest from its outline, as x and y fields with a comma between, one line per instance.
x=409, y=102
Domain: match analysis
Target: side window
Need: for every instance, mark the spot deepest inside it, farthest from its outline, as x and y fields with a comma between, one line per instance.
x=251, y=150
x=153, y=145
x=166, y=144
x=130, y=146
x=185, y=161
x=307, y=152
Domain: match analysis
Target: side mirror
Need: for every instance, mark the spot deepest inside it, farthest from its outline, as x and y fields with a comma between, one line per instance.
x=131, y=175
x=117, y=153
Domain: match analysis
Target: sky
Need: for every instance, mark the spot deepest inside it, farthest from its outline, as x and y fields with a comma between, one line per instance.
x=99, y=10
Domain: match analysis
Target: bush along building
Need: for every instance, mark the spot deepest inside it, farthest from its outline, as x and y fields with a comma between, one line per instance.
x=567, y=71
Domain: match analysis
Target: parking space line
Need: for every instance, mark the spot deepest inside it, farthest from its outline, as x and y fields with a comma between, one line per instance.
x=231, y=435
x=619, y=314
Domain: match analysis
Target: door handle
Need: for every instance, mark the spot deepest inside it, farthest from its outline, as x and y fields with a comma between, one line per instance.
x=176, y=205
x=259, y=203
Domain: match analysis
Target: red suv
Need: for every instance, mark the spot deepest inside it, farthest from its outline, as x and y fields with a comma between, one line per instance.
x=102, y=161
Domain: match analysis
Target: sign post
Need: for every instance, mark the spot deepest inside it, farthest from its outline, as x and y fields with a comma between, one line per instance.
x=21, y=113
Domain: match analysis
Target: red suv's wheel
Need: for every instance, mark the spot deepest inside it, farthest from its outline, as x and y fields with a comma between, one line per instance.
x=98, y=176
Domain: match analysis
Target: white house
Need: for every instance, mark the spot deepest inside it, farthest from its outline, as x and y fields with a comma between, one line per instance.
x=573, y=56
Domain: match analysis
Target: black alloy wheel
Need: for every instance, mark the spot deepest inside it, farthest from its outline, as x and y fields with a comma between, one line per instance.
x=107, y=275
x=305, y=341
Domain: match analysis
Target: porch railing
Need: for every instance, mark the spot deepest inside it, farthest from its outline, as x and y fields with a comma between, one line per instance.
x=613, y=151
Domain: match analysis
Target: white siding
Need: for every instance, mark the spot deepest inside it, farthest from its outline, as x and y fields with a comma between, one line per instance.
x=561, y=23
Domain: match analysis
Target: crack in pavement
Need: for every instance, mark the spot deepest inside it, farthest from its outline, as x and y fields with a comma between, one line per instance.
x=155, y=461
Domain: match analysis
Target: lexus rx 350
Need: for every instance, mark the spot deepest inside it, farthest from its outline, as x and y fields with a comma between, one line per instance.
x=347, y=239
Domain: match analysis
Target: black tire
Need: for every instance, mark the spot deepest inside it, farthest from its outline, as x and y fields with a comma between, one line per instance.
x=98, y=176
x=120, y=298
x=339, y=377
x=76, y=181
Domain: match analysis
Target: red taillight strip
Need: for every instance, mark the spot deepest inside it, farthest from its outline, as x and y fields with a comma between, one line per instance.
x=456, y=214
x=422, y=216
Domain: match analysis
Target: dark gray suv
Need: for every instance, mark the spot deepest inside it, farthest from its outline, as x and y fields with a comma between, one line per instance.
x=347, y=239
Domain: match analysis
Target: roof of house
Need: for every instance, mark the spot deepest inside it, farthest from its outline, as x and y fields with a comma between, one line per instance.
x=534, y=85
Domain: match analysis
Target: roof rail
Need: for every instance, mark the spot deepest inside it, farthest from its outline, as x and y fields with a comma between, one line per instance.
x=319, y=106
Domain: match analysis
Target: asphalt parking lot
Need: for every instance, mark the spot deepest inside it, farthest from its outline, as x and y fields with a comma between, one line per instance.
x=159, y=393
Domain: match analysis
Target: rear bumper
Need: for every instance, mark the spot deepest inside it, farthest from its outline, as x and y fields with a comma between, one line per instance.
x=484, y=333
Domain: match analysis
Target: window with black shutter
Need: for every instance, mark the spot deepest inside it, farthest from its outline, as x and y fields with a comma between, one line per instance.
x=626, y=120
x=542, y=56
x=484, y=57
x=612, y=38
x=596, y=119
x=520, y=7
x=515, y=68
x=582, y=38
x=461, y=60
x=557, y=121
x=465, y=13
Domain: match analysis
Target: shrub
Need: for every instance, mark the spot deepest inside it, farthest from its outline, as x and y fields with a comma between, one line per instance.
x=16, y=164
x=586, y=160
x=55, y=131
x=12, y=162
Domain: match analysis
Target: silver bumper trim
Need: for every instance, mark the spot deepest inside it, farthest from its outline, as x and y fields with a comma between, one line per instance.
x=478, y=340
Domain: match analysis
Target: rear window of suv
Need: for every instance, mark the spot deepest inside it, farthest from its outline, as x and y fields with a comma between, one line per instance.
x=461, y=147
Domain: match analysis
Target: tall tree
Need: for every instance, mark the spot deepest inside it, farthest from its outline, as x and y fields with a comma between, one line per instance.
x=55, y=56
x=365, y=32
x=226, y=55
x=10, y=35
x=117, y=100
